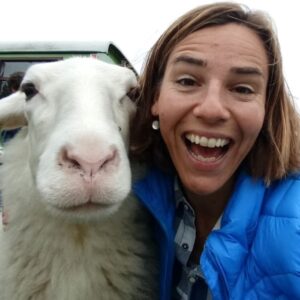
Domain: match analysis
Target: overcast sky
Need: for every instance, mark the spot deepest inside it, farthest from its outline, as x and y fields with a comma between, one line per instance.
x=134, y=25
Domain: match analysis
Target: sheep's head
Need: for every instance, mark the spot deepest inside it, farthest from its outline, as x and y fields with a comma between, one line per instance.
x=77, y=112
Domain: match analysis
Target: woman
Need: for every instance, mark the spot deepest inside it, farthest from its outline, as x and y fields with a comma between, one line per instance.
x=223, y=156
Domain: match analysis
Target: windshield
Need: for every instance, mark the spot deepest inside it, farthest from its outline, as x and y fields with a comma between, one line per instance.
x=11, y=74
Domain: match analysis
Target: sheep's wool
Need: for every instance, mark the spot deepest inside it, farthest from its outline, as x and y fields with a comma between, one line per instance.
x=44, y=256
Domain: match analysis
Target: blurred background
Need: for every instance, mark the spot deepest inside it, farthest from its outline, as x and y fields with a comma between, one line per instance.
x=133, y=25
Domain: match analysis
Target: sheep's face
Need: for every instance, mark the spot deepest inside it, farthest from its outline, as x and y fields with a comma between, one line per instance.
x=78, y=114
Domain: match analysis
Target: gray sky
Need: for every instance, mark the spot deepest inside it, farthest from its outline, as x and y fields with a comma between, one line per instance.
x=134, y=25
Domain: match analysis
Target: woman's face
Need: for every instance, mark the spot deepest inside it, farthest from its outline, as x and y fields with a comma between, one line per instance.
x=211, y=104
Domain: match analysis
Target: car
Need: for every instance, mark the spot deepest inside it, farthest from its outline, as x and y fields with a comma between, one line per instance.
x=16, y=57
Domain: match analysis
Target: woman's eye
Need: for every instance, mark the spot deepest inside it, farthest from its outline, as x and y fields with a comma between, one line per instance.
x=186, y=81
x=29, y=89
x=246, y=90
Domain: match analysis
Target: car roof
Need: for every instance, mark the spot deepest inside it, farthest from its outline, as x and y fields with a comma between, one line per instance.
x=61, y=46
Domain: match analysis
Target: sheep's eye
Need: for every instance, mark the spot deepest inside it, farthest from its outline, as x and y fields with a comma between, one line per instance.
x=133, y=94
x=29, y=90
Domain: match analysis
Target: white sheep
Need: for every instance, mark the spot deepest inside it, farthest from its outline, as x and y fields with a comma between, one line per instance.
x=71, y=235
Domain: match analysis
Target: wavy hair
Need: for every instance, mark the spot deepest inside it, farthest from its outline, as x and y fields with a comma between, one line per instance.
x=276, y=151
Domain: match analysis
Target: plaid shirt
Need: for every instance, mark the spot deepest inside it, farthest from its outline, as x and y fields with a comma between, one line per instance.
x=191, y=284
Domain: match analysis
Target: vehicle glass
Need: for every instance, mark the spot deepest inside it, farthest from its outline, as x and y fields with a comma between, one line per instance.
x=8, y=67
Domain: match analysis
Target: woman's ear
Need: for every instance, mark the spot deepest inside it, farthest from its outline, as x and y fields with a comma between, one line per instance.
x=154, y=109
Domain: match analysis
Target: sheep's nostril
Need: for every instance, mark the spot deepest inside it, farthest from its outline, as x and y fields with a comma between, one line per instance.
x=111, y=157
x=74, y=164
x=80, y=161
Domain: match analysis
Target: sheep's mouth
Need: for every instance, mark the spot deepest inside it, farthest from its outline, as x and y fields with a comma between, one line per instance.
x=88, y=206
x=207, y=150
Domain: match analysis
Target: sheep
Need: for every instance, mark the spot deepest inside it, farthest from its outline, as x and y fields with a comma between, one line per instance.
x=73, y=232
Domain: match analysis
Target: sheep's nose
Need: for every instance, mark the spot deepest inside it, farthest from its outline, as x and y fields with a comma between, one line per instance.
x=86, y=162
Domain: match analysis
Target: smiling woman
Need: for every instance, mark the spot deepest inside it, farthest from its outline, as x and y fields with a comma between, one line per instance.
x=224, y=164
x=214, y=87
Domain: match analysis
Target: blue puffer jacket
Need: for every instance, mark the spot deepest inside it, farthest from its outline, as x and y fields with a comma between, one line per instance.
x=256, y=253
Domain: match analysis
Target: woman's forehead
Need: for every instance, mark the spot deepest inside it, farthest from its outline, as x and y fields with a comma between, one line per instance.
x=233, y=43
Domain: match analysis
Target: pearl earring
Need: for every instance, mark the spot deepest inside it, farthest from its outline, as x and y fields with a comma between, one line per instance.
x=155, y=124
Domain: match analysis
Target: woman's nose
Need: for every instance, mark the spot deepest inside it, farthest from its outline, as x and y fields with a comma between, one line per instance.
x=212, y=106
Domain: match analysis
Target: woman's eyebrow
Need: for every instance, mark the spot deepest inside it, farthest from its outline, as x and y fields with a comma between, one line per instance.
x=246, y=71
x=203, y=63
x=190, y=60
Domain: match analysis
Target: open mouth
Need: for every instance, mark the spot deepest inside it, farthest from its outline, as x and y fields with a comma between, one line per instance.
x=205, y=149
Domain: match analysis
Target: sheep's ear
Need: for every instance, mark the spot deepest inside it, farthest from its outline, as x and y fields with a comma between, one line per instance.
x=12, y=111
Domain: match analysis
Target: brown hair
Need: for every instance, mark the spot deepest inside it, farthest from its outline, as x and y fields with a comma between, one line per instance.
x=276, y=151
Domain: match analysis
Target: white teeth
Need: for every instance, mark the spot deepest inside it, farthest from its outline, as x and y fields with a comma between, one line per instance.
x=203, y=141
x=206, y=142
